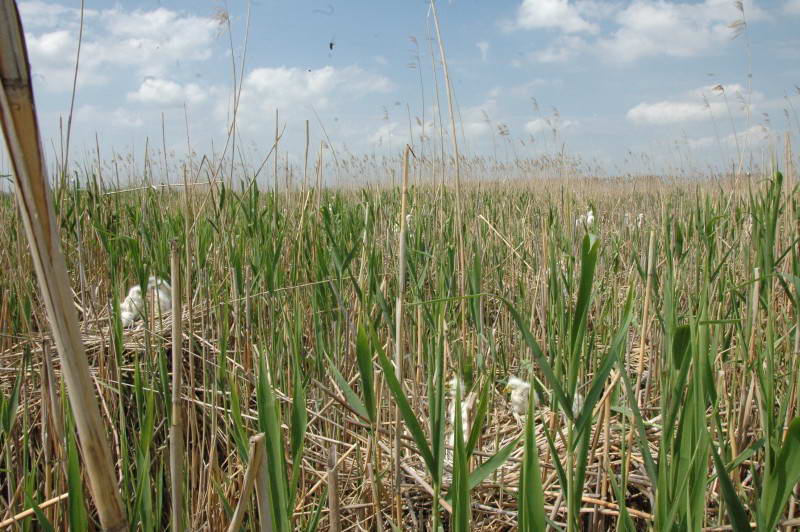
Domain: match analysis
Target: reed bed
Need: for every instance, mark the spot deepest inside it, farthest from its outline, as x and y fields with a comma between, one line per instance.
x=662, y=341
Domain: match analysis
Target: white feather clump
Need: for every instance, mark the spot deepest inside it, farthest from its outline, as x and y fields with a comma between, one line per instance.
x=132, y=307
x=467, y=405
x=130, y=310
x=164, y=292
x=520, y=390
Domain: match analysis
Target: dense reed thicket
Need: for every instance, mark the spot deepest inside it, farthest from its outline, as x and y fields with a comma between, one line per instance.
x=662, y=342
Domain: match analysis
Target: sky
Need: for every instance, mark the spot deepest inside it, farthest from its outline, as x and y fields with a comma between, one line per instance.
x=620, y=83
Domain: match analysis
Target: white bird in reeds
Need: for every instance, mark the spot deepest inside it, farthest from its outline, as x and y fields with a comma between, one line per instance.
x=585, y=219
x=519, y=390
x=467, y=407
x=132, y=307
x=130, y=310
x=163, y=291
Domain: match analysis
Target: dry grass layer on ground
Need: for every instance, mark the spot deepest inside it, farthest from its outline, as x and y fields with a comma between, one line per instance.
x=661, y=340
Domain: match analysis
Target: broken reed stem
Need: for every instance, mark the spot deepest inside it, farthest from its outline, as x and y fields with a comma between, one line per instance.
x=334, y=514
x=176, y=429
x=256, y=458
x=16, y=519
x=642, y=397
x=21, y=131
x=398, y=341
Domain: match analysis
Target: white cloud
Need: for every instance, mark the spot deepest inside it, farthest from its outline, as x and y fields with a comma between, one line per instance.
x=483, y=46
x=38, y=14
x=165, y=92
x=670, y=112
x=650, y=28
x=395, y=134
x=525, y=90
x=381, y=60
x=295, y=89
x=696, y=105
x=152, y=41
x=560, y=14
x=792, y=7
x=52, y=57
x=701, y=142
x=98, y=117
x=539, y=125
x=387, y=134
x=757, y=135
x=479, y=120
x=753, y=137
x=145, y=43
x=563, y=49
x=283, y=87
x=638, y=29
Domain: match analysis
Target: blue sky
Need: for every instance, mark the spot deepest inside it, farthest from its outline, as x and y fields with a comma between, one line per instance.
x=626, y=83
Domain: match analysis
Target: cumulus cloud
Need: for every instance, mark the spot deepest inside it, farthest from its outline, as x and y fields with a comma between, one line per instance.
x=563, y=49
x=558, y=14
x=284, y=87
x=396, y=135
x=649, y=28
x=167, y=93
x=669, y=112
x=289, y=89
x=637, y=30
x=387, y=134
x=700, y=142
x=51, y=54
x=100, y=117
x=539, y=125
x=695, y=105
x=792, y=7
x=150, y=42
x=39, y=14
x=758, y=135
x=754, y=137
x=478, y=120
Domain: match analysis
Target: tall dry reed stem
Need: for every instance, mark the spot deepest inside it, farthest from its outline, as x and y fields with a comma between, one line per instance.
x=21, y=130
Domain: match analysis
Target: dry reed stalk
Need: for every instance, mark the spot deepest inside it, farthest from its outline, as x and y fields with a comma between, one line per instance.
x=305, y=160
x=334, y=510
x=17, y=519
x=648, y=289
x=176, y=429
x=21, y=130
x=250, y=475
x=462, y=273
x=398, y=346
x=376, y=499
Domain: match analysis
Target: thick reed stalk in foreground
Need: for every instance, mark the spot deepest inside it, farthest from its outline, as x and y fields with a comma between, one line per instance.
x=20, y=127
x=176, y=430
